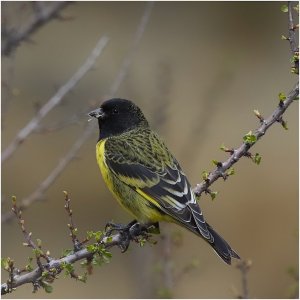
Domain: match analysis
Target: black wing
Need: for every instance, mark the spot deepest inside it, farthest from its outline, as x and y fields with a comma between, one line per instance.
x=148, y=167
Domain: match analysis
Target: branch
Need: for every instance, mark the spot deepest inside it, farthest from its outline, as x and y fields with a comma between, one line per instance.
x=222, y=167
x=292, y=39
x=12, y=39
x=292, y=28
x=244, y=267
x=39, y=193
x=35, y=275
x=129, y=58
x=53, y=267
x=48, y=271
x=55, y=100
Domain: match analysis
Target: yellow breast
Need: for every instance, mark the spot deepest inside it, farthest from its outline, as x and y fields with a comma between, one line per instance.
x=134, y=201
x=100, y=148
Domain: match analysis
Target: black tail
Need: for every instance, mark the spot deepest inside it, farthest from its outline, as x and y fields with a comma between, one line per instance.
x=221, y=247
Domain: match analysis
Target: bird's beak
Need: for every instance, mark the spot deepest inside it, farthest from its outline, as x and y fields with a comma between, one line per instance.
x=97, y=113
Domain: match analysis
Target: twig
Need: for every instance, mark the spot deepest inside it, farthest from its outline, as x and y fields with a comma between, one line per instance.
x=244, y=267
x=292, y=39
x=292, y=28
x=128, y=59
x=54, y=266
x=27, y=235
x=12, y=39
x=55, y=100
x=39, y=193
x=73, y=229
x=221, y=169
x=167, y=265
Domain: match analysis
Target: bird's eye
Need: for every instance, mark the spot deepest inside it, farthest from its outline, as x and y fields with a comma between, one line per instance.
x=115, y=111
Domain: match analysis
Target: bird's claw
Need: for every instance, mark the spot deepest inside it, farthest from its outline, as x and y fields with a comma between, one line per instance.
x=128, y=232
x=110, y=227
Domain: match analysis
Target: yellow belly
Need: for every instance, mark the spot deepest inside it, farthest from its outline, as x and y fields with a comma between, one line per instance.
x=128, y=198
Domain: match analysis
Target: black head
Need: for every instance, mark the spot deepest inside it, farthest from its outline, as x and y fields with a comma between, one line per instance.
x=116, y=116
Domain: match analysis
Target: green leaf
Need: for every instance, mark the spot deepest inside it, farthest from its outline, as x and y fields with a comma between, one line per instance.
x=98, y=235
x=106, y=255
x=14, y=200
x=294, y=70
x=250, y=138
x=109, y=239
x=213, y=195
x=284, y=125
x=215, y=162
x=45, y=274
x=142, y=242
x=5, y=263
x=223, y=148
x=69, y=268
x=91, y=248
x=230, y=171
x=205, y=175
x=257, y=158
x=47, y=287
x=283, y=37
x=90, y=234
x=29, y=267
x=67, y=252
x=284, y=8
x=37, y=252
x=295, y=58
x=281, y=97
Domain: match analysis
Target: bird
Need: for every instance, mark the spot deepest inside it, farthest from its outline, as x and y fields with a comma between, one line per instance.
x=144, y=176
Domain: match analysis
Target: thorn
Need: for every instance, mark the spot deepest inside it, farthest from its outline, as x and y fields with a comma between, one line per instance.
x=248, y=154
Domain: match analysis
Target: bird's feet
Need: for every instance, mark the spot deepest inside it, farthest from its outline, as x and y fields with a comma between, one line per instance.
x=133, y=231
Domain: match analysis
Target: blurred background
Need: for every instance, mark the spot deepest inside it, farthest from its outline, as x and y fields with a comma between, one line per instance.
x=197, y=70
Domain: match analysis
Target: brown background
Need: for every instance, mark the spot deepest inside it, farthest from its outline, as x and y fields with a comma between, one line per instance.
x=200, y=70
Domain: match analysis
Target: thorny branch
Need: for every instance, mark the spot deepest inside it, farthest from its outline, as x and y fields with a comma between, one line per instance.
x=55, y=264
x=243, y=150
x=53, y=267
x=42, y=14
x=71, y=225
x=292, y=35
x=34, y=275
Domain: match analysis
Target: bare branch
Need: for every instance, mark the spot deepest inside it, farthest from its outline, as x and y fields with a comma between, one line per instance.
x=221, y=169
x=128, y=59
x=292, y=38
x=244, y=267
x=292, y=28
x=42, y=15
x=39, y=193
x=71, y=225
x=56, y=99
